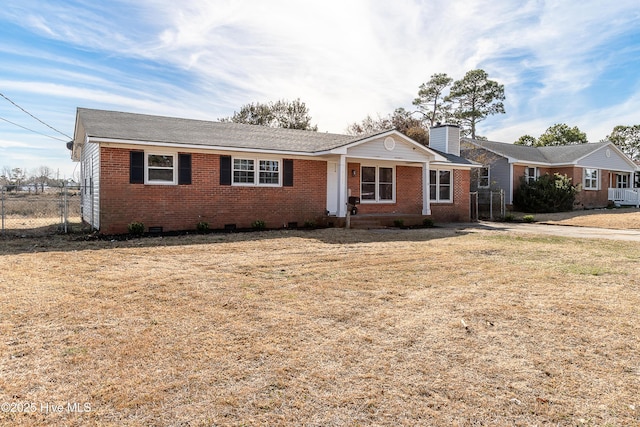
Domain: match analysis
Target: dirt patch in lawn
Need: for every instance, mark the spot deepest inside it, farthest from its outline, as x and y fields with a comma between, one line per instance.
x=328, y=327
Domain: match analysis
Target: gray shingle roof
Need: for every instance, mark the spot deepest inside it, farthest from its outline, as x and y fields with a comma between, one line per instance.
x=142, y=127
x=553, y=154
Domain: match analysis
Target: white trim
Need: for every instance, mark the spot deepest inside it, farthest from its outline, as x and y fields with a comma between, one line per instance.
x=488, y=168
x=174, y=168
x=426, y=200
x=597, y=178
x=437, y=184
x=342, y=187
x=510, y=195
x=377, y=183
x=256, y=172
x=195, y=147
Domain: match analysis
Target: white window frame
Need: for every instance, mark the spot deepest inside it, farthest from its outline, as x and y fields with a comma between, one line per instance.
x=377, y=183
x=622, y=180
x=529, y=178
x=436, y=184
x=256, y=172
x=487, y=177
x=174, y=168
x=588, y=181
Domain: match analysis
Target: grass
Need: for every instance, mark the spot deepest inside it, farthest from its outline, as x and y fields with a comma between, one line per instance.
x=626, y=218
x=323, y=327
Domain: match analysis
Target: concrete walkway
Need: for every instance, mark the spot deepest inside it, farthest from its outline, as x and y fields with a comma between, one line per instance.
x=555, y=230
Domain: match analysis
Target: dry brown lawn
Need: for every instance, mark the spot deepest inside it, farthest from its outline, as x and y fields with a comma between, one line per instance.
x=621, y=219
x=321, y=328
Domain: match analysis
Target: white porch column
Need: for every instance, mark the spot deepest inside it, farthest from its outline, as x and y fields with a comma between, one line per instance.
x=342, y=187
x=426, y=202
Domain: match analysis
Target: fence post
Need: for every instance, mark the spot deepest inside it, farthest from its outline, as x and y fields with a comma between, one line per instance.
x=2, y=210
x=491, y=205
x=66, y=207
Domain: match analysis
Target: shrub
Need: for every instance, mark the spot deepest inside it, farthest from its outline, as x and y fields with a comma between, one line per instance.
x=508, y=218
x=202, y=226
x=258, y=225
x=310, y=224
x=548, y=193
x=528, y=218
x=136, y=228
x=398, y=222
x=427, y=222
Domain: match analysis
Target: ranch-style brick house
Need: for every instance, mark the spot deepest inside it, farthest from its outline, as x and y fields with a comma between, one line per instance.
x=172, y=173
x=605, y=174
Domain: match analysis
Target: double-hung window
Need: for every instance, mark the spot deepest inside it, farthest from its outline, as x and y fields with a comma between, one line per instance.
x=160, y=168
x=622, y=181
x=591, y=179
x=483, y=177
x=256, y=172
x=440, y=185
x=530, y=174
x=377, y=184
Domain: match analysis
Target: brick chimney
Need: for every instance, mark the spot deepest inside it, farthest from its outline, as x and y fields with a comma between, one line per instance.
x=445, y=138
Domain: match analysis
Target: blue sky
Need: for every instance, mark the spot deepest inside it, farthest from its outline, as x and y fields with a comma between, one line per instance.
x=573, y=62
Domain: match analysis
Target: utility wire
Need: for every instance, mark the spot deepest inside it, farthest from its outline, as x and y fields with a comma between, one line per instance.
x=49, y=126
x=34, y=131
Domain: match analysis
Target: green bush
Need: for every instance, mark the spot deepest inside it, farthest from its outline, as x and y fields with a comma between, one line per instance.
x=398, y=222
x=202, y=226
x=508, y=218
x=258, y=225
x=427, y=222
x=310, y=224
x=136, y=228
x=548, y=193
x=528, y=218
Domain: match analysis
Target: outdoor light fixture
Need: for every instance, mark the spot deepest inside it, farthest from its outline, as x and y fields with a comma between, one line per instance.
x=353, y=172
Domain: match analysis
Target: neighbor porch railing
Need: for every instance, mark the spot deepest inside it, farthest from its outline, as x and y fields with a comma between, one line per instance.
x=625, y=196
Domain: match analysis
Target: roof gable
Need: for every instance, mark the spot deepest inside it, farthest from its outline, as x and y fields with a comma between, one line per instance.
x=550, y=155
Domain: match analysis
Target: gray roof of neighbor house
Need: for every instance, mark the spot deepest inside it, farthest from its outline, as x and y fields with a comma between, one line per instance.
x=561, y=154
x=148, y=128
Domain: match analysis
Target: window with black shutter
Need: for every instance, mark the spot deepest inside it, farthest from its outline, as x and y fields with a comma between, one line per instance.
x=225, y=170
x=136, y=167
x=184, y=169
x=287, y=169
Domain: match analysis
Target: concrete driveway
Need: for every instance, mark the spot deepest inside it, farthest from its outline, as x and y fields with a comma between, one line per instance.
x=557, y=230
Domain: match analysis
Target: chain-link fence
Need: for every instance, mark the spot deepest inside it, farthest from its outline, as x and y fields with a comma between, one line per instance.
x=30, y=211
x=488, y=205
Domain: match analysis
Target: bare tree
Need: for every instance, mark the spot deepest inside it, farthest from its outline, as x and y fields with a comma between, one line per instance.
x=41, y=177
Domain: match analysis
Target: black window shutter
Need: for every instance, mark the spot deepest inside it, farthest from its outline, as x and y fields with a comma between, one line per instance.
x=184, y=169
x=287, y=169
x=136, y=167
x=225, y=170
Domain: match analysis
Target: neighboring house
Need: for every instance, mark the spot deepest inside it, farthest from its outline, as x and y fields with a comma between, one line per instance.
x=171, y=173
x=605, y=174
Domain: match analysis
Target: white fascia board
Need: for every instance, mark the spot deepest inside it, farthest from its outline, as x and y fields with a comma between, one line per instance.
x=526, y=163
x=197, y=147
x=451, y=165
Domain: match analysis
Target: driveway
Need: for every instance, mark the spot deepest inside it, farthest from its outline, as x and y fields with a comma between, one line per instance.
x=557, y=230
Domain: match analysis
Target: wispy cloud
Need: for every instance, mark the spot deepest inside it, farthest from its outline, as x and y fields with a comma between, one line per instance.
x=559, y=61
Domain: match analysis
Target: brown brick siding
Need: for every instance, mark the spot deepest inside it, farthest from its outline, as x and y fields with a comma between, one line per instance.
x=459, y=210
x=585, y=199
x=181, y=207
x=409, y=195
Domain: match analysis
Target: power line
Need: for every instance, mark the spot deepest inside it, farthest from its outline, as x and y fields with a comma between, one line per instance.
x=49, y=126
x=34, y=131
